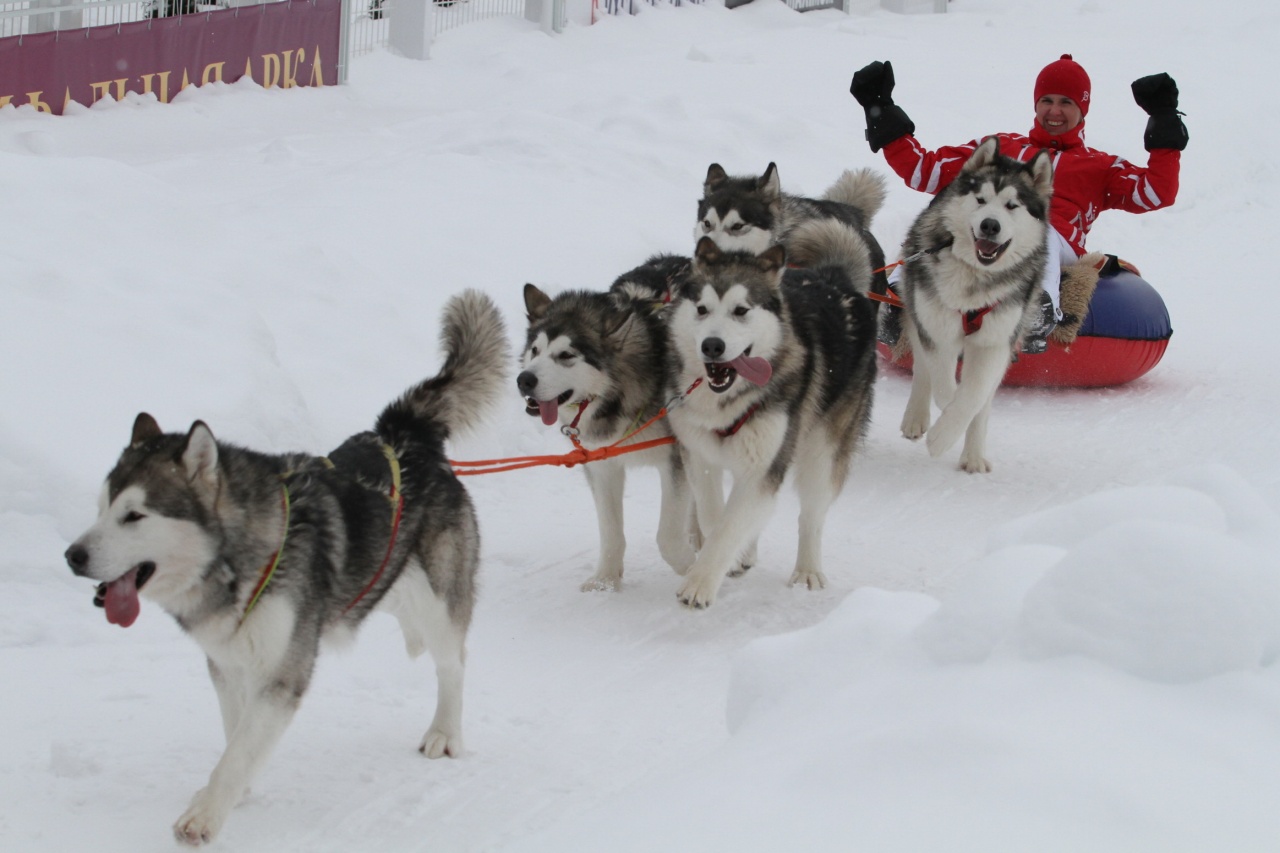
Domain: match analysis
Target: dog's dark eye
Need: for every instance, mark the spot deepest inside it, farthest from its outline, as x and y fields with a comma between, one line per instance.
x=1012, y=205
x=702, y=310
x=741, y=311
x=533, y=351
x=980, y=200
x=737, y=227
x=706, y=225
x=565, y=357
x=132, y=516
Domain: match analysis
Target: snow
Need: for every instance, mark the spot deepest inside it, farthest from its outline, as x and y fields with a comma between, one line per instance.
x=1074, y=652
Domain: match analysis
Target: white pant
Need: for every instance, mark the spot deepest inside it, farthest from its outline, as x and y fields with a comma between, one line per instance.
x=1060, y=254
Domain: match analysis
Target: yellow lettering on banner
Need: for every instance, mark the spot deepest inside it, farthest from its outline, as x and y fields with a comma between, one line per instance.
x=66, y=100
x=5, y=100
x=248, y=68
x=186, y=80
x=270, y=70
x=33, y=98
x=163, y=94
x=317, y=71
x=290, y=73
x=212, y=73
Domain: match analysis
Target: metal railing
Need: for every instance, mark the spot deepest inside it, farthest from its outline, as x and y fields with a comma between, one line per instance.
x=25, y=17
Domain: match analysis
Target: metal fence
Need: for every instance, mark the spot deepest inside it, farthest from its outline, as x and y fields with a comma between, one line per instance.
x=24, y=17
x=369, y=21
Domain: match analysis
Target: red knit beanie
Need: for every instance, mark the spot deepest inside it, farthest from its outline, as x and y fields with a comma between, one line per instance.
x=1065, y=77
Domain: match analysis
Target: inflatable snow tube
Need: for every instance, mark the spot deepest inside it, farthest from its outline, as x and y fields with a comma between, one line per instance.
x=1124, y=336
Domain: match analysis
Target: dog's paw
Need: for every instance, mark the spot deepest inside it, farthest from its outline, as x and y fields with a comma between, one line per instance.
x=201, y=822
x=914, y=425
x=698, y=592
x=811, y=578
x=438, y=744
x=602, y=583
x=974, y=463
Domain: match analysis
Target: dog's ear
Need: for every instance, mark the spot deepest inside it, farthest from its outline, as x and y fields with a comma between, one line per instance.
x=1041, y=167
x=535, y=302
x=983, y=155
x=772, y=259
x=619, y=325
x=707, y=252
x=200, y=457
x=144, y=429
x=716, y=176
x=770, y=185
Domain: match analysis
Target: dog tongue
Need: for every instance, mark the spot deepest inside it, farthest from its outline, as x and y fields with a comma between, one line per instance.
x=550, y=410
x=755, y=370
x=121, y=600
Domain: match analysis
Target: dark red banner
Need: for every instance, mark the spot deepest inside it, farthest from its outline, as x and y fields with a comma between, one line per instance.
x=293, y=43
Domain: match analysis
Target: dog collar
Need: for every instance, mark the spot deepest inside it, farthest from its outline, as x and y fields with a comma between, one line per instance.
x=972, y=320
x=733, y=428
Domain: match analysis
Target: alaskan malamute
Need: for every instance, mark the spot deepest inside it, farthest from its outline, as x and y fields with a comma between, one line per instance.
x=971, y=292
x=785, y=365
x=259, y=556
x=750, y=214
x=597, y=363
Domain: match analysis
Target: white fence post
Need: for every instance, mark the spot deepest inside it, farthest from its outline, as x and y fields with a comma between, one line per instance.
x=412, y=28
x=51, y=21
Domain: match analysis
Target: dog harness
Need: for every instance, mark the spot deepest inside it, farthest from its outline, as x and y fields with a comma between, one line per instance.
x=395, y=496
x=972, y=320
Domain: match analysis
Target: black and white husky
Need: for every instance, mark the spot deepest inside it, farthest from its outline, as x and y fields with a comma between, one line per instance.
x=260, y=556
x=751, y=213
x=596, y=362
x=784, y=362
x=971, y=291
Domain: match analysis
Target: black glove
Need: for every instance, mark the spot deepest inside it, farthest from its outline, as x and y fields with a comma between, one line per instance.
x=872, y=87
x=1157, y=94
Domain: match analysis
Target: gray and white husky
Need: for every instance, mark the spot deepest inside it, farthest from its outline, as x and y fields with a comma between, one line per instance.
x=972, y=292
x=260, y=556
x=750, y=213
x=597, y=362
x=785, y=364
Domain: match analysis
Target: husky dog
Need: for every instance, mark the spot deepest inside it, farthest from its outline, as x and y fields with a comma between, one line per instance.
x=972, y=292
x=259, y=556
x=750, y=214
x=785, y=362
x=596, y=363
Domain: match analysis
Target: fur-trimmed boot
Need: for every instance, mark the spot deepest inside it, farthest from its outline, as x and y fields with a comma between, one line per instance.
x=1078, y=283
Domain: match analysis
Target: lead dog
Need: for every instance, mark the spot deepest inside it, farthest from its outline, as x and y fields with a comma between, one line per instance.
x=260, y=556
x=972, y=292
x=785, y=365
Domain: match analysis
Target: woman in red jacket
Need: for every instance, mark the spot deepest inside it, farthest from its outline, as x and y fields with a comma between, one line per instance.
x=1085, y=181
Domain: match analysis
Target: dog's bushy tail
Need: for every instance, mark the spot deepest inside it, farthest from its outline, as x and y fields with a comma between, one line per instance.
x=477, y=354
x=818, y=243
x=863, y=189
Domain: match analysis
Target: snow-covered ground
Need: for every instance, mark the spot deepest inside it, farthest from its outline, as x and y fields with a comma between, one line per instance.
x=1075, y=652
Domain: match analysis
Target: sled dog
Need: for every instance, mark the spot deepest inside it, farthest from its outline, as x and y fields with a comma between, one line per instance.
x=972, y=292
x=260, y=556
x=785, y=365
x=750, y=214
x=596, y=362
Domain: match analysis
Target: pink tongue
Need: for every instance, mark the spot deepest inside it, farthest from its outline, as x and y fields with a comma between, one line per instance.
x=121, y=600
x=550, y=411
x=755, y=370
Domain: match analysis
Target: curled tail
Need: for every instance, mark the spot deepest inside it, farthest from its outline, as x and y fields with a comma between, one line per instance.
x=863, y=189
x=831, y=243
x=477, y=354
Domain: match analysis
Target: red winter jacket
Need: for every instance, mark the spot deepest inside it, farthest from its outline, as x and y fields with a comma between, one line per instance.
x=1085, y=181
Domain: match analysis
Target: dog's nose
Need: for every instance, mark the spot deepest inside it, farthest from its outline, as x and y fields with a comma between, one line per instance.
x=990, y=228
x=712, y=349
x=527, y=381
x=78, y=558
